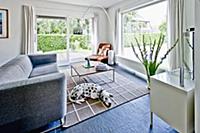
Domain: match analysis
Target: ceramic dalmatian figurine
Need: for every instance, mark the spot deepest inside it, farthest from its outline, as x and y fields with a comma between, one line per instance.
x=90, y=90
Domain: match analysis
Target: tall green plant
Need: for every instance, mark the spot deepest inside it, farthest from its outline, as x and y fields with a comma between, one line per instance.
x=149, y=59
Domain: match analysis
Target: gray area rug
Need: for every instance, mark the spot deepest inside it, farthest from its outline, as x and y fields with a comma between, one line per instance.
x=123, y=90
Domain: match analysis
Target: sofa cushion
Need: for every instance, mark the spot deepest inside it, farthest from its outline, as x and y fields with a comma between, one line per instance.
x=42, y=59
x=16, y=69
x=44, y=69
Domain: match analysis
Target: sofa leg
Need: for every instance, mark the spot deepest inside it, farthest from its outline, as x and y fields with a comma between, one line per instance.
x=54, y=128
x=62, y=122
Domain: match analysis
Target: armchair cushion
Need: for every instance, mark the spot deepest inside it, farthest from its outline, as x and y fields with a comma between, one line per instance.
x=100, y=52
x=97, y=57
x=102, y=58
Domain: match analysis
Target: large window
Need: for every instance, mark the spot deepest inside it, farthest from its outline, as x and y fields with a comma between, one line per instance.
x=149, y=21
x=80, y=38
x=52, y=34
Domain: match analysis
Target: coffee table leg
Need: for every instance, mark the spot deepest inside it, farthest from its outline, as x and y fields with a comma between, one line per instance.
x=113, y=75
x=71, y=71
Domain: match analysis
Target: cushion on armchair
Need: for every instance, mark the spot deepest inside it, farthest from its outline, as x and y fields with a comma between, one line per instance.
x=103, y=51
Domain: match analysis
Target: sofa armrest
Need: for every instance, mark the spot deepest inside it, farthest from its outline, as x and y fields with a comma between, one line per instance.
x=40, y=59
x=34, y=80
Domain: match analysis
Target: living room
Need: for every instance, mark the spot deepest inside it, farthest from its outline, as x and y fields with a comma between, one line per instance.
x=99, y=66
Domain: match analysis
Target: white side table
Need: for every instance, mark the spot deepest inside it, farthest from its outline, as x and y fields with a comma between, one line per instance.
x=171, y=102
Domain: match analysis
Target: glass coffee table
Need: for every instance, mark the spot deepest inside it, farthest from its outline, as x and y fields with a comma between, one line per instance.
x=81, y=71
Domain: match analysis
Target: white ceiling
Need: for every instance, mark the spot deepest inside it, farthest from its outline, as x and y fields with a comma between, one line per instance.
x=104, y=3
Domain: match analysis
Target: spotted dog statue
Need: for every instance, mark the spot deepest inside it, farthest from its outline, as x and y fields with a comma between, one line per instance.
x=90, y=90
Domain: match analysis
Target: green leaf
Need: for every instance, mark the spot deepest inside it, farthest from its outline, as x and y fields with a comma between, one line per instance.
x=152, y=68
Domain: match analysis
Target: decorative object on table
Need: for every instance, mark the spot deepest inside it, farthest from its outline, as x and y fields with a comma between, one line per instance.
x=4, y=23
x=87, y=62
x=149, y=59
x=78, y=71
x=81, y=92
x=101, y=67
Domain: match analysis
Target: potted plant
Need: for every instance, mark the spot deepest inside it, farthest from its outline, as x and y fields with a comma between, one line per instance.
x=149, y=58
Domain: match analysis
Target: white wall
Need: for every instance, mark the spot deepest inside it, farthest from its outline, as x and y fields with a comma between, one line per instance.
x=197, y=66
x=10, y=48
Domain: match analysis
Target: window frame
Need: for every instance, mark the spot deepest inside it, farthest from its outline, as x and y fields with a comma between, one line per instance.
x=121, y=45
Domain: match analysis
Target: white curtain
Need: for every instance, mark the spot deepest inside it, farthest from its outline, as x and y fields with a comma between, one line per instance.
x=175, y=31
x=29, y=32
x=94, y=34
x=116, y=32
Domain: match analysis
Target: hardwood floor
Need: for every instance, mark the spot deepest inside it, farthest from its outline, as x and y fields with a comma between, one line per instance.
x=132, y=117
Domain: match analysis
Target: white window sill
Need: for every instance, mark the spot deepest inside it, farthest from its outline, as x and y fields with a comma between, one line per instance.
x=161, y=68
x=130, y=59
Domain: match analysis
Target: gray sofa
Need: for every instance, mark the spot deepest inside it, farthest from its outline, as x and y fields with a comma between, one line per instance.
x=32, y=92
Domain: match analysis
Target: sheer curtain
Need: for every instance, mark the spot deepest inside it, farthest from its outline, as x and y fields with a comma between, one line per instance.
x=29, y=32
x=94, y=34
x=116, y=32
x=175, y=31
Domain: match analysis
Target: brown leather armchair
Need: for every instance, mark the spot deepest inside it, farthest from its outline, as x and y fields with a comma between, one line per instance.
x=102, y=52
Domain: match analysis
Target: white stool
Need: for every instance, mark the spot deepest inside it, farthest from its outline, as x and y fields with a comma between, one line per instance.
x=111, y=56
